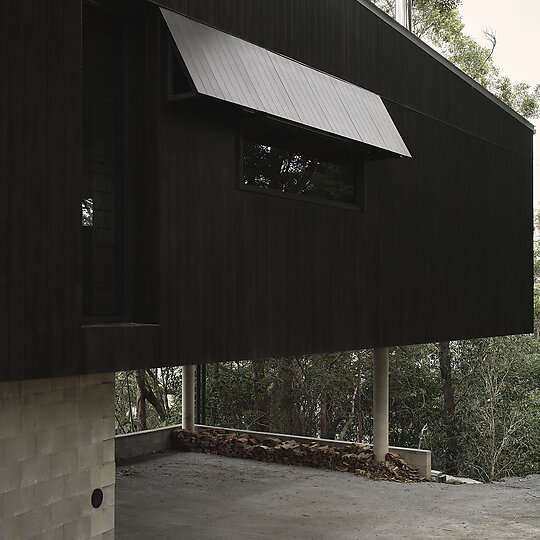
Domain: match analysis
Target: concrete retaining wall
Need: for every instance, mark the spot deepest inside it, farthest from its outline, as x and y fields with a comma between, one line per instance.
x=56, y=447
x=156, y=440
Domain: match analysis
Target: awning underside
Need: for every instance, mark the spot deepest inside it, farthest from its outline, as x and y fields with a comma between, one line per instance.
x=230, y=69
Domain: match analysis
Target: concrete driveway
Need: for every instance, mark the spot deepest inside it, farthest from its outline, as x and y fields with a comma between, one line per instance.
x=199, y=496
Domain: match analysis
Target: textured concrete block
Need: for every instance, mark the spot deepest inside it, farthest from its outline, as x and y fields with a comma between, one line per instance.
x=73, y=436
x=10, y=477
x=35, y=522
x=34, y=418
x=102, y=520
x=89, y=406
x=77, y=529
x=19, y=448
x=108, y=451
x=90, y=456
x=49, y=441
x=65, y=462
x=10, y=528
x=59, y=383
x=71, y=394
x=102, y=475
x=10, y=391
x=93, y=379
x=17, y=502
x=10, y=422
x=52, y=456
x=64, y=413
x=65, y=511
x=35, y=470
x=108, y=377
x=52, y=534
x=46, y=398
x=34, y=386
x=109, y=535
x=109, y=423
x=77, y=483
x=107, y=398
x=109, y=495
x=101, y=429
x=49, y=492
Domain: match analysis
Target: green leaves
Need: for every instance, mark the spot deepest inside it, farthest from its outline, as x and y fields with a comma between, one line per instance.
x=438, y=23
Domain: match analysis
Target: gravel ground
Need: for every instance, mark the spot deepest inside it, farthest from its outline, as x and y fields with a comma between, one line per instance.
x=201, y=496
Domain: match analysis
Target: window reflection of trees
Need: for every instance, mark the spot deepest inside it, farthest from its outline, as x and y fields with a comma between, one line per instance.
x=88, y=212
x=269, y=167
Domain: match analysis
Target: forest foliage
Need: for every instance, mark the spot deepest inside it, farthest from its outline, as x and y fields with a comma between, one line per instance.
x=493, y=430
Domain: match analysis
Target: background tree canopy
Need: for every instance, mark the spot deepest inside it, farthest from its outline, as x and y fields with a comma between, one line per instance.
x=438, y=23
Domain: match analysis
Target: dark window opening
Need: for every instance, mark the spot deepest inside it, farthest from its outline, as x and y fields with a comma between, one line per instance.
x=103, y=159
x=272, y=168
x=88, y=212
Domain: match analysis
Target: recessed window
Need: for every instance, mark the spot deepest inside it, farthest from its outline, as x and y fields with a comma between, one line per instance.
x=270, y=167
x=88, y=212
x=103, y=161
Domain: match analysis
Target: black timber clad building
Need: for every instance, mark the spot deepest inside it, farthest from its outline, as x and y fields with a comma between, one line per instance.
x=189, y=249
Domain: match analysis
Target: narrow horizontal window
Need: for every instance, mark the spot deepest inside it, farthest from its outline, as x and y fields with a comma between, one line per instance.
x=272, y=168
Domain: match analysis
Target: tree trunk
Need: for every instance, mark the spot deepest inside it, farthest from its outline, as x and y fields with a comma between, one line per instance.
x=145, y=393
x=359, y=396
x=129, y=402
x=154, y=394
x=323, y=416
x=449, y=407
x=262, y=399
x=141, y=401
x=286, y=397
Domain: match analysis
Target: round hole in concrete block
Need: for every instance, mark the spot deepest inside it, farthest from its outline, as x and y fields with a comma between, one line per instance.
x=97, y=498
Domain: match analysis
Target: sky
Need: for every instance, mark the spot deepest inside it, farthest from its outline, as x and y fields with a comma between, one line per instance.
x=517, y=26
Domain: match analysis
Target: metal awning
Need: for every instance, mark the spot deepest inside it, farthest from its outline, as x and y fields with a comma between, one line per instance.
x=225, y=67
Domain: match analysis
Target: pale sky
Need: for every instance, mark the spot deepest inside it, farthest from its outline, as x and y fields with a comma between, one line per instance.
x=517, y=26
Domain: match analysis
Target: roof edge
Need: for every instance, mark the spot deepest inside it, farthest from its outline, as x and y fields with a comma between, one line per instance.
x=424, y=46
x=446, y=63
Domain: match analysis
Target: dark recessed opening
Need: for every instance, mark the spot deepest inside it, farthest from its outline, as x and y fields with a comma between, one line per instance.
x=97, y=498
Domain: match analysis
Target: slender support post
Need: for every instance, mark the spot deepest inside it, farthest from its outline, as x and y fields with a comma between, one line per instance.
x=380, y=403
x=198, y=394
x=403, y=13
x=203, y=394
x=188, y=398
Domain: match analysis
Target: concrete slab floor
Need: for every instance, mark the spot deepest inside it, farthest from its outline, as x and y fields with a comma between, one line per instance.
x=199, y=496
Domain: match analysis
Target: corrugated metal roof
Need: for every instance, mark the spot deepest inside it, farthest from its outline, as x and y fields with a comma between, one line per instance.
x=231, y=69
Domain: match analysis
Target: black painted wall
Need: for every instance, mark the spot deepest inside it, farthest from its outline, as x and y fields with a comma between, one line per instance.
x=443, y=249
x=40, y=188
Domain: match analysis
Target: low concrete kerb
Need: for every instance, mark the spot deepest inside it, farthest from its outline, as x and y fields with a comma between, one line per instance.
x=141, y=443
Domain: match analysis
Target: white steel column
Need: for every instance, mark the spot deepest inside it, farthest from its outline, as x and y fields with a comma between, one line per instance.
x=403, y=13
x=380, y=403
x=188, y=398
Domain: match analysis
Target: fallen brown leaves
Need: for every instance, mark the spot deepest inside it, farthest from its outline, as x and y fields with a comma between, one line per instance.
x=355, y=458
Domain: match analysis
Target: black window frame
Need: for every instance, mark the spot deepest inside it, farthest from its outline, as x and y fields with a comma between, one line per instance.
x=358, y=168
x=123, y=210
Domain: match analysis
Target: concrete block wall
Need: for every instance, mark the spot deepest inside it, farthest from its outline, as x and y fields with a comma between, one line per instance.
x=142, y=443
x=56, y=447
